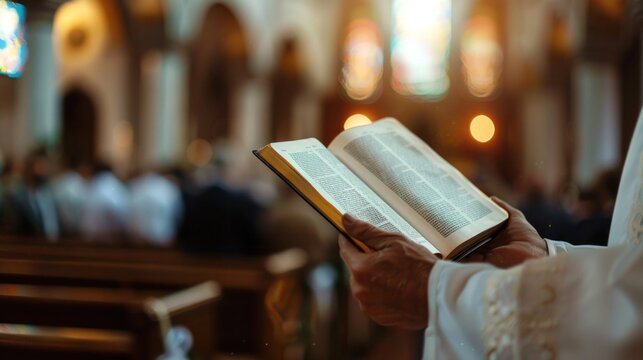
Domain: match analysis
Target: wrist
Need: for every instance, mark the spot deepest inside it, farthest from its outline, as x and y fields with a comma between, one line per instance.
x=544, y=248
x=552, y=248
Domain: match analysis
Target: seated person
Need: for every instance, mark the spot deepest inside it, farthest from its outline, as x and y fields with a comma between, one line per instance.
x=219, y=219
x=106, y=208
x=155, y=209
x=31, y=204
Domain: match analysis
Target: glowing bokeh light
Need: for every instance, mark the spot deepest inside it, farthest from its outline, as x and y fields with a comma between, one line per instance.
x=481, y=56
x=199, y=152
x=363, y=59
x=482, y=128
x=13, y=48
x=420, y=47
x=356, y=120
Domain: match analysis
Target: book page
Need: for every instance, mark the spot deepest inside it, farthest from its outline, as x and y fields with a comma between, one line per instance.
x=422, y=187
x=345, y=191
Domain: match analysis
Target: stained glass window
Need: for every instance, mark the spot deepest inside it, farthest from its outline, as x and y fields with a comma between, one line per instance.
x=481, y=56
x=363, y=59
x=420, y=47
x=13, y=50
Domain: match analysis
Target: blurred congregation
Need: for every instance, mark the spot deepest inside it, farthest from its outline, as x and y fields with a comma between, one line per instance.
x=199, y=211
x=128, y=125
x=89, y=202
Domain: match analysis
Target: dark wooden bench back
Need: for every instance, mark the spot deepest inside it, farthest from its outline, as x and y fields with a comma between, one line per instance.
x=102, y=322
x=245, y=282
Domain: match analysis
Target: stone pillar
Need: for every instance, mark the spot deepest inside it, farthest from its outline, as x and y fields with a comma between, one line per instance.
x=173, y=108
x=164, y=95
x=37, y=117
x=250, y=119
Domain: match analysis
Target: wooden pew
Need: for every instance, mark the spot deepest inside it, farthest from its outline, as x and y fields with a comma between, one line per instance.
x=39, y=342
x=80, y=323
x=248, y=306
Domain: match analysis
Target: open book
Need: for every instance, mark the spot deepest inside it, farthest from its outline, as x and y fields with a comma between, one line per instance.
x=385, y=175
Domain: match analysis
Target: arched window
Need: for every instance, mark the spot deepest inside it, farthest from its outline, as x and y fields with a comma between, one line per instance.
x=363, y=57
x=420, y=47
x=481, y=53
x=219, y=65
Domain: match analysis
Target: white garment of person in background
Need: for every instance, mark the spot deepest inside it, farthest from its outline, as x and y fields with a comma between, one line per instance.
x=70, y=193
x=155, y=209
x=106, y=209
x=514, y=301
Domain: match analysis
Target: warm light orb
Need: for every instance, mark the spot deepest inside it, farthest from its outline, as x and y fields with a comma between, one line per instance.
x=482, y=128
x=356, y=120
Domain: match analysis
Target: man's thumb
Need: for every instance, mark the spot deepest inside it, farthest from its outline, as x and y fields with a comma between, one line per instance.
x=371, y=236
x=510, y=209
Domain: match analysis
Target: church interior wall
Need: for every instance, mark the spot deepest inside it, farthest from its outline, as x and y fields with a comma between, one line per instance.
x=112, y=110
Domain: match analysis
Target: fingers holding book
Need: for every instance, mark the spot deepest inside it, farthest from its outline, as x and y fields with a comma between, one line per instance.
x=371, y=236
x=390, y=284
x=514, y=244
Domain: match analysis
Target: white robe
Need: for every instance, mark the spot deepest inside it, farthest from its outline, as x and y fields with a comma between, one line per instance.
x=581, y=303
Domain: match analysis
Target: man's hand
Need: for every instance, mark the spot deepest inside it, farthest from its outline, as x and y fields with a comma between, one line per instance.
x=390, y=283
x=514, y=244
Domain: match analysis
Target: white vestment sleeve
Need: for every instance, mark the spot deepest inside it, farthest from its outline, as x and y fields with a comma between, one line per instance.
x=456, y=316
x=584, y=304
x=558, y=247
